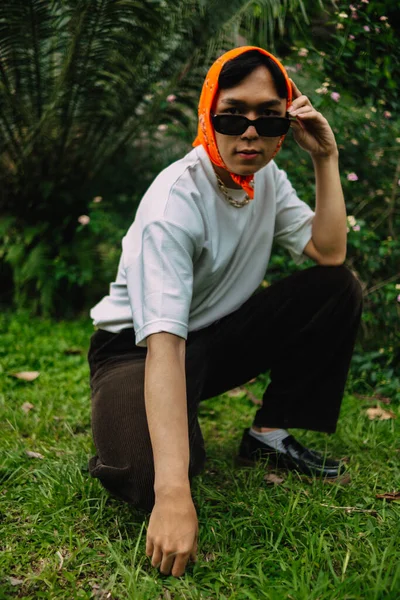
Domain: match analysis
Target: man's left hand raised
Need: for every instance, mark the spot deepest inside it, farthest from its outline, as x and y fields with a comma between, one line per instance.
x=311, y=130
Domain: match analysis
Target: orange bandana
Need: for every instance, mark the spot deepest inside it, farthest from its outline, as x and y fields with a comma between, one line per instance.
x=205, y=132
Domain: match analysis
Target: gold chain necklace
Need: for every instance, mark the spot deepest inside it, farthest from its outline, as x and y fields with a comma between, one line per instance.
x=229, y=198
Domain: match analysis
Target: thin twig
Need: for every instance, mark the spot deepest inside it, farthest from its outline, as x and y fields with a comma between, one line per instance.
x=382, y=284
x=350, y=509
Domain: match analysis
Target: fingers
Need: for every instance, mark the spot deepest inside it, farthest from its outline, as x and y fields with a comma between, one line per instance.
x=300, y=112
x=296, y=125
x=149, y=547
x=193, y=554
x=167, y=562
x=180, y=564
x=157, y=557
x=299, y=100
x=170, y=562
x=299, y=103
x=295, y=90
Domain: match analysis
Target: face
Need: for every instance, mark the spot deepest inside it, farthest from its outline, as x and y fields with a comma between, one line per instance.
x=253, y=97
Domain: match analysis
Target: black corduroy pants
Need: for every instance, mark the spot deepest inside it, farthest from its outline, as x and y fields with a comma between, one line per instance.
x=302, y=328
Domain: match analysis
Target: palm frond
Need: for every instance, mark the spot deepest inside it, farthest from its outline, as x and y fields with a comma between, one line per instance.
x=73, y=73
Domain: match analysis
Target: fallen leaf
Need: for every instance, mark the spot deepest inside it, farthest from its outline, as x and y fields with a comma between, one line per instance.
x=273, y=479
x=209, y=557
x=73, y=351
x=27, y=406
x=393, y=496
x=60, y=556
x=99, y=593
x=15, y=581
x=26, y=375
x=253, y=398
x=236, y=392
x=380, y=414
x=34, y=454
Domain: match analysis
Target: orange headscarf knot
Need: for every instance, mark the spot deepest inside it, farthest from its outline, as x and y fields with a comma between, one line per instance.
x=205, y=131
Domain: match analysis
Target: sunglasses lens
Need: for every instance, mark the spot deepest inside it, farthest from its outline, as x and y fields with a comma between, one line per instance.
x=237, y=125
x=230, y=124
x=272, y=126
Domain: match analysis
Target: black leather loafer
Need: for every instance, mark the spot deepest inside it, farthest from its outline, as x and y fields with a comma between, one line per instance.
x=298, y=458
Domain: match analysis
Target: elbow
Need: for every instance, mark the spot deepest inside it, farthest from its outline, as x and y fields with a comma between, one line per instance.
x=333, y=258
x=332, y=261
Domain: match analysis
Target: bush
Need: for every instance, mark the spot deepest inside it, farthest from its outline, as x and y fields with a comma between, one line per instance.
x=349, y=78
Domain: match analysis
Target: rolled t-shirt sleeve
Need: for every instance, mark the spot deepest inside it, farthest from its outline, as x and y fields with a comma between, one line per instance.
x=159, y=274
x=293, y=225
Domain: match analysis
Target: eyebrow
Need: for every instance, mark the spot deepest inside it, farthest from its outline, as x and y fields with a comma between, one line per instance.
x=266, y=104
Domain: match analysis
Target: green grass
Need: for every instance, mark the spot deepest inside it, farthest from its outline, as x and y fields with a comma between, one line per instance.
x=62, y=536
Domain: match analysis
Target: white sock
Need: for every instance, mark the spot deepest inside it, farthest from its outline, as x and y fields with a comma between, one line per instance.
x=272, y=438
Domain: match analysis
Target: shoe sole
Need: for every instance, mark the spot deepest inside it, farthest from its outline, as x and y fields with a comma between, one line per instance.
x=344, y=479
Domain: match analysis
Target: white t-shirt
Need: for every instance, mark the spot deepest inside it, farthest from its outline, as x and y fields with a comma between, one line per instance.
x=190, y=257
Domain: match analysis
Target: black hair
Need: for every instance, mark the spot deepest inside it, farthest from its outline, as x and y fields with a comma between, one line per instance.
x=235, y=70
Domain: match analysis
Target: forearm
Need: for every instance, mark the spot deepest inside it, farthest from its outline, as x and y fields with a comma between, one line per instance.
x=329, y=229
x=166, y=409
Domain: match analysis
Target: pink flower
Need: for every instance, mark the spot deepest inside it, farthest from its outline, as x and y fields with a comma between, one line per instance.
x=352, y=37
x=383, y=18
x=356, y=228
x=298, y=67
x=84, y=219
x=354, y=16
x=352, y=7
x=303, y=52
x=387, y=114
x=171, y=98
x=335, y=96
x=352, y=177
x=97, y=199
x=162, y=127
x=377, y=30
x=365, y=1
x=398, y=298
x=398, y=183
x=366, y=28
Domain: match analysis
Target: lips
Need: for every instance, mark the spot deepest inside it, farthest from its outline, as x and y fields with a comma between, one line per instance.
x=248, y=151
x=248, y=154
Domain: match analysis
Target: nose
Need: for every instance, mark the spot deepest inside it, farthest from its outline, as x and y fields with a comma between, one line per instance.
x=250, y=133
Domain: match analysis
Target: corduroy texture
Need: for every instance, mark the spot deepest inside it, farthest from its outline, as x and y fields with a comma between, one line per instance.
x=205, y=132
x=303, y=328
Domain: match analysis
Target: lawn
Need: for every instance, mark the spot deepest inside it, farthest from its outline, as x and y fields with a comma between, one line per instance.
x=62, y=536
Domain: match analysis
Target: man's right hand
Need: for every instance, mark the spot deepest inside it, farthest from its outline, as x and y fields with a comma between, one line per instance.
x=172, y=533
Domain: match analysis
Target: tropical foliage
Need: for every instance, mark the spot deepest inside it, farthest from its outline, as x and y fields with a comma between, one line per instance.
x=350, y=77
x=80, y=83
x=96, y=97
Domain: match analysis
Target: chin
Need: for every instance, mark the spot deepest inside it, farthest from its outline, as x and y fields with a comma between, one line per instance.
x=249, y=169
x=244, y=171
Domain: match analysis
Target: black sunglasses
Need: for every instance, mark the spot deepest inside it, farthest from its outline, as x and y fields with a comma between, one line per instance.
x=237, y=124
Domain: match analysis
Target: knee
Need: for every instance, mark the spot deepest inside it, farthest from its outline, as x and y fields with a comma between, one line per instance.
x=339, y=280
x=350, y=284
x=123, y=484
